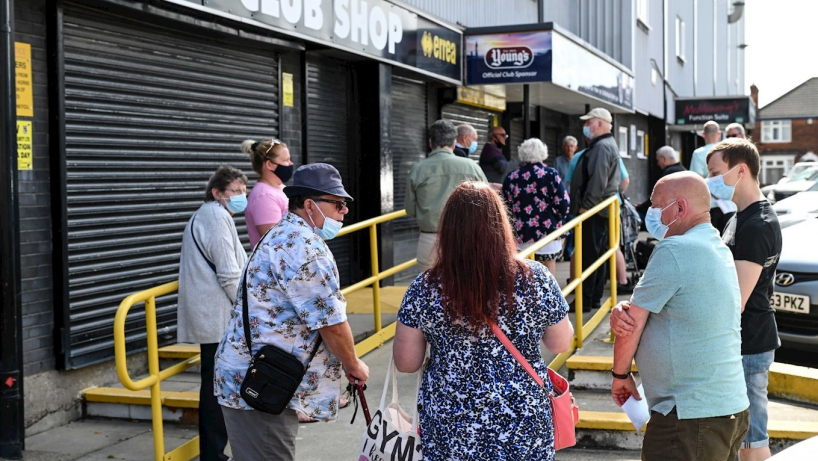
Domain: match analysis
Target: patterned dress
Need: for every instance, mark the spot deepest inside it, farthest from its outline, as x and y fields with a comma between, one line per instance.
x=293, y=290
x=538, y=200
x=476, y=402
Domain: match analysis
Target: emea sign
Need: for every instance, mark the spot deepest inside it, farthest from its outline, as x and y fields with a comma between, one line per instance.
x=375, y=28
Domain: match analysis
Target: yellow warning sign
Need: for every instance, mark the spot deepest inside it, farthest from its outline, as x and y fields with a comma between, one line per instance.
x=287, y=84
x=24, y=149
x=25, y=89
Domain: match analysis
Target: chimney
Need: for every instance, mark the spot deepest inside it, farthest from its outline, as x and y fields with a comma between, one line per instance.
x=754, y=94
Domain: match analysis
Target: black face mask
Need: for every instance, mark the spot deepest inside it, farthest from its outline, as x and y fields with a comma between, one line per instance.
x=284, y=173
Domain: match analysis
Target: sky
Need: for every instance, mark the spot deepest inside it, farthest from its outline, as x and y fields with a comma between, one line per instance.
x=782, y=49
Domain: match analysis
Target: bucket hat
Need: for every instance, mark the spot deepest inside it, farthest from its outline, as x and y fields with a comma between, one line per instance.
x=317, y=179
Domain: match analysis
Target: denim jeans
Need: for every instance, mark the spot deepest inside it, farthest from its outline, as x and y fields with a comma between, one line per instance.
x=756, y=373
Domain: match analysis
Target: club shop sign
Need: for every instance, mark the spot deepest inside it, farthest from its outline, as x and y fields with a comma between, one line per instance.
x=372, y=27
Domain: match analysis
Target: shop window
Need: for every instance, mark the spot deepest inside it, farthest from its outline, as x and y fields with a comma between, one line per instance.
x=622, y=140
x=776, y=131
x=641, y=141
x=680, y=39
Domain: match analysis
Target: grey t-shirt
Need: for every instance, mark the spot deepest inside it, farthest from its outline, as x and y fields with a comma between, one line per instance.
x=690, y=352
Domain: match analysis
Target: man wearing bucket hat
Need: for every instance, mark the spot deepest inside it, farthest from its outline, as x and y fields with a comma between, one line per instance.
x=596, y=178
x=294, y=299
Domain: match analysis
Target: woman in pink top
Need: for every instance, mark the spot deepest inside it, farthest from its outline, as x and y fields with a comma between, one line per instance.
x=267, y=203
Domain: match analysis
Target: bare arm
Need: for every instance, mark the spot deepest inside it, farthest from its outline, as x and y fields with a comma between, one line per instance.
x=625, y=183
x=557, y=338
x=339, y=341
x=624, y=351
x=748, y=274
x=263, y=228
x=409, y=348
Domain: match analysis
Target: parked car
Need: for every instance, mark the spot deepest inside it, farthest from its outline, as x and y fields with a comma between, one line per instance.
x=795, y=295
x=797, y=208
x=796, y=170
x=799, y=183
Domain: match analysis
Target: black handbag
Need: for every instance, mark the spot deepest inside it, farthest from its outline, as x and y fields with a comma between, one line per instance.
x=273, y=375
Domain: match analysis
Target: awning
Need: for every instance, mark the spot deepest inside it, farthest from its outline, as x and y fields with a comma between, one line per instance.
x=563, y=72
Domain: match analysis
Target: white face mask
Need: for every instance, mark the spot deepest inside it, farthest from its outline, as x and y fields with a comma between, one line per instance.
x=653, y=222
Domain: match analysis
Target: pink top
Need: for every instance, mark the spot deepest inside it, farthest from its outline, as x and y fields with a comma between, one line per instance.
x=265, y=205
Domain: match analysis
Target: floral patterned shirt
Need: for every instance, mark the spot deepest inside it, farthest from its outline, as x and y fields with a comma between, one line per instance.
x=538, y=200
x=293, y=290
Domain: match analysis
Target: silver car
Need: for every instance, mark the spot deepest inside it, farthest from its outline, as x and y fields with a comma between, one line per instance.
x=795, y=296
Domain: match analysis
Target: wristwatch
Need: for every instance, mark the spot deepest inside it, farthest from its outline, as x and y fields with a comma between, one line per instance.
x=618, y=376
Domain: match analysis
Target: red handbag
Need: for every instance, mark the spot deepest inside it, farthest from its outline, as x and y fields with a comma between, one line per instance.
x=564, y=409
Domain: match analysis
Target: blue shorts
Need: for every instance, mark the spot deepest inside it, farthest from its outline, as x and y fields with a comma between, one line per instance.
x=756, y=373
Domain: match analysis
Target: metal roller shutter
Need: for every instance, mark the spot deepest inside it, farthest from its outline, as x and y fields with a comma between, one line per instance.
x=481, y=120
x=150, y=113
x=328, y=109
x=409, y=146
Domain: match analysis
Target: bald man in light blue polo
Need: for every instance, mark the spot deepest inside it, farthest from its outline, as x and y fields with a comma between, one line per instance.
x=683, y=325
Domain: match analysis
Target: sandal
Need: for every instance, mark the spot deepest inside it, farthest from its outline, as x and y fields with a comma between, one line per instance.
x=343, y=402
x=302, y=418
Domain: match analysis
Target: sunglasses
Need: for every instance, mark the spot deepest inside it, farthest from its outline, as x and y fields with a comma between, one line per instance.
x=339, y=204
x=732, y=135
x=273, y=142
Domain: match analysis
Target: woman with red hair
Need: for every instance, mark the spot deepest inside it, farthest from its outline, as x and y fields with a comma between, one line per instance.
x=476, y=402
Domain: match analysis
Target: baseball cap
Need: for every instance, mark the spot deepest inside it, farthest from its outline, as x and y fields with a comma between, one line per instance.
x=599, y=113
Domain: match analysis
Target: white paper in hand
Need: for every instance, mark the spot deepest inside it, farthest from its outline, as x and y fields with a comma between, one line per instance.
x=637, y=410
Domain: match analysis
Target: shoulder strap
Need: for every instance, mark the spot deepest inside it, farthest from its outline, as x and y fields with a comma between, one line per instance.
x=516, y=353
x=245, y=309
x=193, y=234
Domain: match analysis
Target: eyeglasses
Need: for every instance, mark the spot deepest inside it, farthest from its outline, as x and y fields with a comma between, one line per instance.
x=273, y=142
x=339, y=204
x=732, y=136
x=502, y=135
x=236, y=191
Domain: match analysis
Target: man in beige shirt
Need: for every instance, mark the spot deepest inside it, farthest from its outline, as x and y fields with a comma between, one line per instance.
x=430, y=183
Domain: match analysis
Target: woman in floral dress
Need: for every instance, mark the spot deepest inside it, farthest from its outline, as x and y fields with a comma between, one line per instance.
x=476, y=401
x=538, y=200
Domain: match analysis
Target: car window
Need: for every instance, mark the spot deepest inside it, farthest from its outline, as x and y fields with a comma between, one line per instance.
x=813, y=175
x=804, y=174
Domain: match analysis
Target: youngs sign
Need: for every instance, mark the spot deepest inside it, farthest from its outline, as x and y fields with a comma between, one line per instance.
x=372, y=27
x=509, y=57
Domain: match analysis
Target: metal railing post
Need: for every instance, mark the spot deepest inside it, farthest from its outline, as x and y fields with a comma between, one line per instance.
x=153, y=370
x=613, y=243
x=578, y=291
x=376, y=287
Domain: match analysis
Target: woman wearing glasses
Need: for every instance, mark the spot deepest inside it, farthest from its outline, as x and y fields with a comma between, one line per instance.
x=209, y=272
x=267, y=203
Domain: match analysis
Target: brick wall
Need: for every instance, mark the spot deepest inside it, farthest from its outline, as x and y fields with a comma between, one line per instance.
x=804, y=139
x=290, y=121
x=35, y=202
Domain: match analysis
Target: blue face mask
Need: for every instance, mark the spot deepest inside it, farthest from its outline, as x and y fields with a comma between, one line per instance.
x=653, y=222
x=236, y=203
x=586, y=131
x=472, y=147
x=331, y=226
x=720, y=189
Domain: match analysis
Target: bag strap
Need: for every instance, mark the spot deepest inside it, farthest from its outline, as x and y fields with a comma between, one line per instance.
x=245, y=309
x=516, y=353
x=193, y=234
x=392, y=375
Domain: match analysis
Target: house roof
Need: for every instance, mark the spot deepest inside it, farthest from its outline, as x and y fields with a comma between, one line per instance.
x=801, y=101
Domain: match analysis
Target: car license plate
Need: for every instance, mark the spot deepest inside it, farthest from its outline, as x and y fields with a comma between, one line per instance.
x=790, y=303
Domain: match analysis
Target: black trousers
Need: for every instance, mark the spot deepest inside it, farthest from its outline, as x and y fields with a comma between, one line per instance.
x=594, y=244
x=212, y=431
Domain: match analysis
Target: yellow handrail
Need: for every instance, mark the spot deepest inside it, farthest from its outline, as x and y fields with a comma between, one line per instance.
x=155, y=376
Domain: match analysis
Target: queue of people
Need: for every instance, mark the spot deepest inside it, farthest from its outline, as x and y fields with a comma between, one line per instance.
x=476, y=401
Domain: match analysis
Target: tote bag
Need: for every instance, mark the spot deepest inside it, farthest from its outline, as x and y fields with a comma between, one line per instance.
x=392, y=434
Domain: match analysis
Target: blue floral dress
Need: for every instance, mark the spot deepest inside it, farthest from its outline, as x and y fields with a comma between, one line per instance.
x=476, y=402
x=538, y=199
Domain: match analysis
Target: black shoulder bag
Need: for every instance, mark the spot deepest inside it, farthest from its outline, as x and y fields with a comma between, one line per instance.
x=273, y=375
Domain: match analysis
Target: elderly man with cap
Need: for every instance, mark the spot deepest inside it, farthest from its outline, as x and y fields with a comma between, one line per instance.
x=294, y=303
x=597, y=177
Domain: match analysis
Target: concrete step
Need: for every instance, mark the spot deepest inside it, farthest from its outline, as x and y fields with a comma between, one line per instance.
x=791, y=382
x=603, y=424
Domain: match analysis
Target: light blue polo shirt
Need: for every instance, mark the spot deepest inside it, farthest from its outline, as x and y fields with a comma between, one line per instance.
x=690, y=352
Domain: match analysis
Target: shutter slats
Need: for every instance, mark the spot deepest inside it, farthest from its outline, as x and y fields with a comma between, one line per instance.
x=150, y=113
